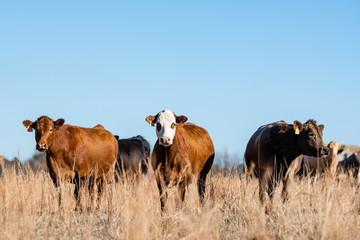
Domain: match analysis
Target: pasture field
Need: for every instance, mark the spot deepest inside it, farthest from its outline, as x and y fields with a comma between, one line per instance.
x=324, y=209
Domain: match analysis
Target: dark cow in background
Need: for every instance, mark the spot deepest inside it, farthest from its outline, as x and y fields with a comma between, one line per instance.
x=273, y=147
x=351, y=165
x=5, y=164
x=183, y=150
x=75, y=153
x=133, y=155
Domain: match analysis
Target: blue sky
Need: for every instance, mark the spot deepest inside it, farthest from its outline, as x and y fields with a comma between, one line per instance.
x=229, y=66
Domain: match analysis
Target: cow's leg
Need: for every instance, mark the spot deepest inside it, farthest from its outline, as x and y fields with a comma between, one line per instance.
x=182, y=190
x=161, y=183
x=56, y=182
x=91, y=185
x=264, y=182
x=78, y=183
x=117, y=171
x=181, y=193
x=201, y=187
x=163, y=196
x=100, y=186
x=144, y=166
x=202, y=177
x=290, y=175
x=54, y=174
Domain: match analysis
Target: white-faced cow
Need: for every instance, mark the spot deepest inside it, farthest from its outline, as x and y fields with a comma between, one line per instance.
x=273, y=147
x=75, y=153
x=183, y=150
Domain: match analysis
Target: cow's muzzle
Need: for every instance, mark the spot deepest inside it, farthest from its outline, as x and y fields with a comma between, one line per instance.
x=324, y=151
x=41, y=147
x=165, y=141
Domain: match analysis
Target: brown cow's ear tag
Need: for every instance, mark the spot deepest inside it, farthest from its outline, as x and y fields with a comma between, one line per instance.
x=297, y=131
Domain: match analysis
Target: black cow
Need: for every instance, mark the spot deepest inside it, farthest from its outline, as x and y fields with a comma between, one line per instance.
x=133, y=155
x=351, y=165
x=273, y=147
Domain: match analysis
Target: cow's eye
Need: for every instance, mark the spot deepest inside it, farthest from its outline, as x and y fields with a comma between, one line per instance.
x=173, y=125
x=51, y=130
x=158, y=127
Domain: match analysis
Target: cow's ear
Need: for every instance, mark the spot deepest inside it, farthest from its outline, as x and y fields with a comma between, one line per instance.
x=151, y=120
x=29, y=125
x=297, y=127
x=58, y=123
x=340, y=144
x=181, y=119
x=321, y=127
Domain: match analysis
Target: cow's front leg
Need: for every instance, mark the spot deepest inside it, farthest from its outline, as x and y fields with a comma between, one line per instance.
x=78, y=184
x=181, y=193
x=56, y=182
x=290, y=175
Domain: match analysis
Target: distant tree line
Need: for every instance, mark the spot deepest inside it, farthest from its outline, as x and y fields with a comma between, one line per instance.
x=36, y=163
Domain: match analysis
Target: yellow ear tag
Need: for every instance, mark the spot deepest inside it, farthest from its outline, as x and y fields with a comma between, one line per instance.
x=297, y=131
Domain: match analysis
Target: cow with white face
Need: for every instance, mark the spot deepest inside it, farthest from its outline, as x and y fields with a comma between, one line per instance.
x=166, y=122
x=183, y=150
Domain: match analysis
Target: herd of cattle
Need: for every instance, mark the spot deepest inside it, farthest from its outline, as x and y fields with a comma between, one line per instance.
x=274, y=153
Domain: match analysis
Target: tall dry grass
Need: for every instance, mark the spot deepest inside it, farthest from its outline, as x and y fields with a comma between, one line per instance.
x=321, y=209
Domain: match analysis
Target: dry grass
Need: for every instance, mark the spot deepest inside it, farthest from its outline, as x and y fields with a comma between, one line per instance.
x=325, y=209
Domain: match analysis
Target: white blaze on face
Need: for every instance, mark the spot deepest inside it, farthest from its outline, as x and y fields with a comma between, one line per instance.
x=166, y=127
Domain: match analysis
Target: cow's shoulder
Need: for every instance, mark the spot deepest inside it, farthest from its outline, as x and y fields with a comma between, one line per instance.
x=270, y=135
x=275, y=125
x=99, y=126
x=191, y=128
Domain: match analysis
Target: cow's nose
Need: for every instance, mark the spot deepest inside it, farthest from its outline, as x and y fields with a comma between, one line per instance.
x=324, y=151
x=41, y=145
x=165, y=140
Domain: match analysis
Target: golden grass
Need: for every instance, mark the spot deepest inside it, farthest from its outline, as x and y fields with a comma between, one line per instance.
x=325, y=209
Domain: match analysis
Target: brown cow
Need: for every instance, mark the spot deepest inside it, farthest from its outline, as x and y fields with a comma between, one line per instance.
x=182, y=151
x=329, y=163
x=273, y=147
x=75, y=153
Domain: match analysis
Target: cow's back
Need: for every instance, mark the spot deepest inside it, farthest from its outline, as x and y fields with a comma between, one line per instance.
x=314, y=165
x=133, y=152
x=349, y=162
x=201, y=147
x=261, y=142
x=252, y=150
x=192, y=146
x=87, y=151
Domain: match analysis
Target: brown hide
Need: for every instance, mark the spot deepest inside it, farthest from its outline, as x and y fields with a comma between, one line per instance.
x=75, y=153
x=328, y=163
x=191, y=153
x=81, y=151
